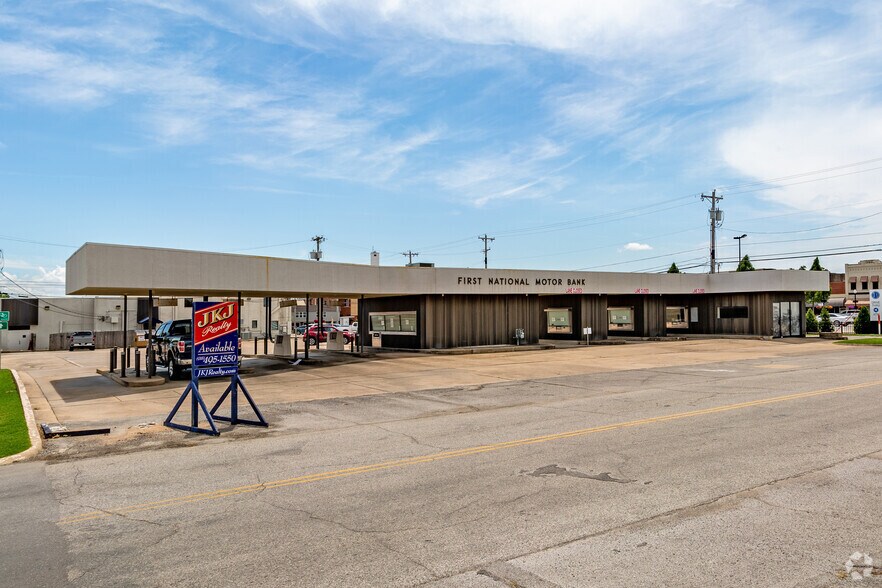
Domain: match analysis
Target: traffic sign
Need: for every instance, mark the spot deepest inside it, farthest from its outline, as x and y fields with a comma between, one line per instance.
x=4, y=325
x=4, y=316
x=875, y=304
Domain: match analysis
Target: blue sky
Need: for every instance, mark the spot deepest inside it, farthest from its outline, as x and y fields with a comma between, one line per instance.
x=578, y=134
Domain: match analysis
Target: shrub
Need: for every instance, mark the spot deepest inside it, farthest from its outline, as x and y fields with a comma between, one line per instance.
x=826, y=325
x=811, y=321
x=862, y=323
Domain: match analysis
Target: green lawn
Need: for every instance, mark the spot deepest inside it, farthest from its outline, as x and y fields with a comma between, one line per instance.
x=13, y=428
x=866, y=341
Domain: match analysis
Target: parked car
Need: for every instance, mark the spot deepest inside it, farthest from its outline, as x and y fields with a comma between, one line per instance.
x=350, y=328
x=300, y=330
x=838, y=319
x=172, y=346
x=82, y=340
x=313, y=333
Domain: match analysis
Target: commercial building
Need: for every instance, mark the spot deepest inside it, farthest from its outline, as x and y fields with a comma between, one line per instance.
x=46, y=323
x=860, y=278
x=429, y=307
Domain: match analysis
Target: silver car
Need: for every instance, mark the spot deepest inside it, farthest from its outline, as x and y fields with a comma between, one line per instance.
x=841, y=319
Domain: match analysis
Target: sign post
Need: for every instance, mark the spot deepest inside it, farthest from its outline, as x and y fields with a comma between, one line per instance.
x=215, y=353
x=587, y=332
x=875, y=306
x=4, y=326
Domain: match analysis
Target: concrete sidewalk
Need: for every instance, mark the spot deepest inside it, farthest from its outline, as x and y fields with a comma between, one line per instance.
x=64, y=387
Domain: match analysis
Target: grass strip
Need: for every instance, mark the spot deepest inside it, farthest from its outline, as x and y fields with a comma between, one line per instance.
x=13, y=427
x=868, y=341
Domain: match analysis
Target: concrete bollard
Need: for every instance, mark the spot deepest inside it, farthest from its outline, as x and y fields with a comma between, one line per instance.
x=113, y=360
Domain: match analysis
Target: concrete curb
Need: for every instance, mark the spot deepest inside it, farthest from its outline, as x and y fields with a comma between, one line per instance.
x=133, y=382
x=33, y=430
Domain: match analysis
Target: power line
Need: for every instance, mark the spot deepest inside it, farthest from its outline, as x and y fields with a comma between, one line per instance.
x=19, y=240
x=802, y=174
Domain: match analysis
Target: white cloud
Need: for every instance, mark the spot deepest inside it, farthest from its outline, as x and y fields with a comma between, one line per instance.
x=638, y=247
x=35, y=279
x=791, y=139
x=532, y=171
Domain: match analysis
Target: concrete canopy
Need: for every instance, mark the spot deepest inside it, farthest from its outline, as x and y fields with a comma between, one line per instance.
x=102, y=269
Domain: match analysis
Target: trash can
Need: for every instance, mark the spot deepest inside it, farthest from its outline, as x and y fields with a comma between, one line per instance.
x=376, y=339
x=335, y=341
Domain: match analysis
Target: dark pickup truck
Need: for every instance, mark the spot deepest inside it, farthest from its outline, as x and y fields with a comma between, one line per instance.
x=172, y=346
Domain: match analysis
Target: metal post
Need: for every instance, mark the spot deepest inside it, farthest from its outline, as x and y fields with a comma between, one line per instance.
x=125, y=326
x=151, y=356
x=321, y=319
x=137, y=362
x=112, y=360
x=360, y=323
x=266, y=328
x=306, y=332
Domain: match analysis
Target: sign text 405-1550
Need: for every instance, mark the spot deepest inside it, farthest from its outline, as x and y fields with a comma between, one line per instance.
x=218, y=359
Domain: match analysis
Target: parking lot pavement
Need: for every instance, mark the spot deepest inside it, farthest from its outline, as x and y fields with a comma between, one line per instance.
x=757, y=469
x=64, y=387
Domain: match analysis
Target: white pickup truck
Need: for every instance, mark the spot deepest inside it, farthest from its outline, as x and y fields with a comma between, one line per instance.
x=82, y=340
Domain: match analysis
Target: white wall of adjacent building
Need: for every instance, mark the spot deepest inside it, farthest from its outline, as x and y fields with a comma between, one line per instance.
x=70, y=314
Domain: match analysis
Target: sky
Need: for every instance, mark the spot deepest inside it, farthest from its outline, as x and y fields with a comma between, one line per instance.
x=579, y=135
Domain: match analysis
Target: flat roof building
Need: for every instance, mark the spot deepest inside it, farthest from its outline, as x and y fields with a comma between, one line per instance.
x=434, y=307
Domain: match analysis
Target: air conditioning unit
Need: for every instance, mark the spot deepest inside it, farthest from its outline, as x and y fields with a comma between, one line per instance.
x=114, y=320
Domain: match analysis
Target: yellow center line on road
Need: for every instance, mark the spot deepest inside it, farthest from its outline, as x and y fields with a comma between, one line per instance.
x=399, y=463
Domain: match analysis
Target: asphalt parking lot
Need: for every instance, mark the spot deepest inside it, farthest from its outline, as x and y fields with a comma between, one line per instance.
x=737, y=463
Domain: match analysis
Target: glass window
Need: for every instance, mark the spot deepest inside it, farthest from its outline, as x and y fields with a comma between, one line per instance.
x=393, y=322
x=408, y=323
x=621, y=319
x=675, y=317
x=180, y=329
x=863, y=285
x=732, y=312
x=559, y=320
x=378, y=322
x=875, y=285
x=253, y=324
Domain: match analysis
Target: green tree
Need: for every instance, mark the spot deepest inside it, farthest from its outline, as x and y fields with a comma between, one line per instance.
x=821, y=296
x=825, y=325
x=744, y=265
x=862, y=323
x=811, y=321
x=673, y=269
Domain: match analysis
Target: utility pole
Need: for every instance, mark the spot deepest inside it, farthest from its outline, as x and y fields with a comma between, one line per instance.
x=409, y=255
x=486, y=241
x=716, y=220
x=317, y=254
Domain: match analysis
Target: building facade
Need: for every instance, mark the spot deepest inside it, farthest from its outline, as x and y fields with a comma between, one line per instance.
x=431, y=307
x=860, y=278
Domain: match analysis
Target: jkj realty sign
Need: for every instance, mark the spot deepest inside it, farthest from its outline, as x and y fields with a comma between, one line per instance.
x=215, y=339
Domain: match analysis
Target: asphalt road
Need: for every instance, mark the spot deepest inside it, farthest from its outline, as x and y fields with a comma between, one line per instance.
x=749, y=473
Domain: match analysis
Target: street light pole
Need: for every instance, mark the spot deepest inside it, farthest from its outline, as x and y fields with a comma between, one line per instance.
x=739, y=245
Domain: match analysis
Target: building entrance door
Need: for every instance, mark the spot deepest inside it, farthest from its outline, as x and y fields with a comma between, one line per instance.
x=786, y=319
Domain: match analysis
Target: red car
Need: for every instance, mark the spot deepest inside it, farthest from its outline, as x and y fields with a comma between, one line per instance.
x=312, y=333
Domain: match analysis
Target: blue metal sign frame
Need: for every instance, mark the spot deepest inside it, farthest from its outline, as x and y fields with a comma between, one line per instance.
x=215, y=353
